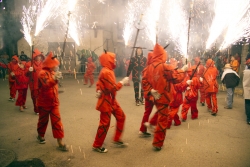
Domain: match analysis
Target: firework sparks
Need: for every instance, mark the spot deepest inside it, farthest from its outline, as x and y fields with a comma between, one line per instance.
x=152, y=19
x=47, y=12
x=134, y=10
x=178, y=25
x=239, y=26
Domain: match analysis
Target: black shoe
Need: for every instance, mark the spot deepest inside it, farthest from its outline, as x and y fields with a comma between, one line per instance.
x=226, y=107
x=213, y=113
x=203, y=104
x=100, y=149
x=41, y=141
x=120, y=143
x=144, y=134
x=157, y=148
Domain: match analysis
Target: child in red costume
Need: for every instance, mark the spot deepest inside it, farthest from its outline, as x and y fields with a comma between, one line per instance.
x=21, y=85
x=149, y=101
x=159, y=77
x=178, y=88
x=200, y=71
x=89, y=73
x=48, y=101
x=107, y=104
x=211, y=86
x=34, y=69
x=191, y=95
x=12, y=67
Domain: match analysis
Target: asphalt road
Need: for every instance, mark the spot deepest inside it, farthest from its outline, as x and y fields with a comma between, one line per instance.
x=221, y=141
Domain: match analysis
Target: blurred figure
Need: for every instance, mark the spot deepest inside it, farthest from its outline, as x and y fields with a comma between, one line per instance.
x=136, y=66
x=246, y=83
x=231, y=79
x=234, y=64
x=23, y=57
x=89, y=75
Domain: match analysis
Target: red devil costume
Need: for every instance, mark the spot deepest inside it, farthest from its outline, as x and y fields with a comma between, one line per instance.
x=12, y=67
x=48, y=101
x=36, y=65
x=200, y=71
x=89, y=73
x=160, y=76
x=149, y=100
x=211, y=86
x=21, y=85
x=178, y=88
x=191, y=95
x=107, y=103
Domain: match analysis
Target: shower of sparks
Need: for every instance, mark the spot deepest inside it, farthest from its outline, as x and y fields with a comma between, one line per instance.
x=27, y=22
x=152, y=20
x=46, y=13
x=223, y=17
x=102, y=1
x=134, y=10
x=239, y=25
x=178, y=25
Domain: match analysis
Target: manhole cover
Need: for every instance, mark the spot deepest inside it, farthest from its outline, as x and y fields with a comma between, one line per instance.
x=6, y=157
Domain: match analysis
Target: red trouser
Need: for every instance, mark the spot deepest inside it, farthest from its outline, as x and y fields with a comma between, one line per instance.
x=57, y=126
x=34, y=94
x=148, y=109
x=162, y=122
x=90, y=77
x=21, y=98
x=202, y=95
x=185, y=107
x=104, y=124
x=174, y=116
x=209, y=96
x=12, y=86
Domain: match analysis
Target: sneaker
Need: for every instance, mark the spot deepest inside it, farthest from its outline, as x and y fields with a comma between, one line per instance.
x=137, y=102
x=203, y=104
x=41, y=141
x=142, y=102
x=226, y=107
x=149, y=126
x=144, y=134
x=100, y=149
x=120, y=143
x=183, y=120
x=64, y=147
x=213, y=113
x=10, y=99
x=157, y=148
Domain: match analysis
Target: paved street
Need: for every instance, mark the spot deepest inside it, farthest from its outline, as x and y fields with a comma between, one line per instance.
x=220, y=141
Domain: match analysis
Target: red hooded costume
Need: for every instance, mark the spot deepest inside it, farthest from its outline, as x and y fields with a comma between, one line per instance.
x=47, y=100
x=107, y=103
x=211, y=85
x=89, y=73
x=33, y=76
x=200, y=71
x=160, y=77
x=191, y=95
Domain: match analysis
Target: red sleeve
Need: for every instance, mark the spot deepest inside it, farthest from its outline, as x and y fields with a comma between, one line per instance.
x=46, y=79
x=146, y=86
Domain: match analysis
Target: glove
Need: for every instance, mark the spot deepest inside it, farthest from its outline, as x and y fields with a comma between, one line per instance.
x=31, y=69
x=185, y=67
x=201, y=79
x=124, y=81
x=155, y=94
x=189, y=82
x=58, y=75
x=98, y=94
x=12, y=74
x=188, y=88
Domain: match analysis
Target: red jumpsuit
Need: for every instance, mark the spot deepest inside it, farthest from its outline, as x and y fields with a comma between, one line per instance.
x=149, y=100
x=160, y=76
x=200, y=71
x=21, y=85
x=211, y=85
x=33, y=76
x=191, y=96
x=47, y=100
x=107, y=103
x=12, y=67
x=89, y=73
